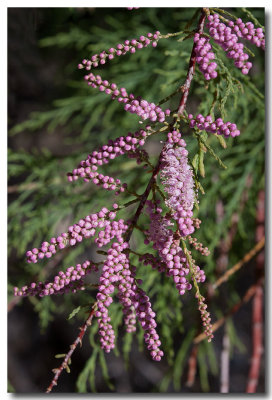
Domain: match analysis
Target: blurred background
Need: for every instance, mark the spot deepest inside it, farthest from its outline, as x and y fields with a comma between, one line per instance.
x=55, y=120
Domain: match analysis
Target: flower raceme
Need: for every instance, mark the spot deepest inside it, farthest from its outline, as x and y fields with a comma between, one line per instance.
x=172, y=259
x=129, y=46
x=84, y=229
x=205, y=57
x=218, y=126
x=88, y=168
x=248, y=32
x=69, y=281
x=134, y=105
x=178, y=182
x=227, y=38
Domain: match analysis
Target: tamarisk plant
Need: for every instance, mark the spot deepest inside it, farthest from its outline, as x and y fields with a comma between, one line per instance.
x=168, y=201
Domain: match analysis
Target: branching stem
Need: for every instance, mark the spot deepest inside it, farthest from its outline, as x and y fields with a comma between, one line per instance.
x=182, y=104
x=68, y=356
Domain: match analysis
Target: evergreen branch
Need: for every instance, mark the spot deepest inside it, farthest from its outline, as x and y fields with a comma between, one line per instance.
x=68, y=356
x=253, y=87
x=247, y=50
x=217, y=158
x=251, y=16
x=220, y=10
x=169, y=97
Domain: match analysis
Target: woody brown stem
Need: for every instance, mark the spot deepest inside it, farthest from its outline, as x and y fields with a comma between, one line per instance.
x=182, y=104
x=68, y=356
x=239, y=265
x=191, y=69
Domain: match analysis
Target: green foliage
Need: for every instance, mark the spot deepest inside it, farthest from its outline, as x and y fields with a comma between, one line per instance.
x=43, y=204
x=74, y=312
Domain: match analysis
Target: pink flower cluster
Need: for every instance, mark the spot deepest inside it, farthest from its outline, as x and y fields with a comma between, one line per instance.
x=112, y=229
x=87, y=169
x=158, y=231
x=84, y=229
x=114, y=263
x=90, y=173
x=133, y=8
x=118, y=273
x=129, y=46
x=134, y=105
x=204, y=57
x=126, y=291
x=69, y=281
x=177, y=180
x=105, y=181
x=136, y=304
x=146, y=318
x=164, y=240
x=218, y=126
x=228, y=40
x=249, y=32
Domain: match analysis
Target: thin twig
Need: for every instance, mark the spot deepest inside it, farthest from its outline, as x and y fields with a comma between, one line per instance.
x=68, y=356
x=237, y=266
